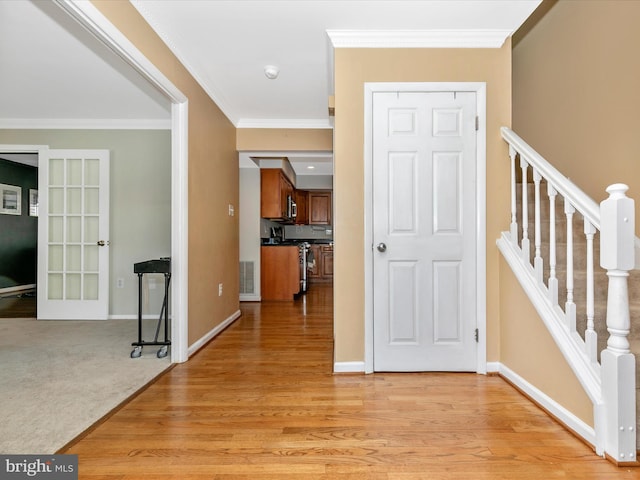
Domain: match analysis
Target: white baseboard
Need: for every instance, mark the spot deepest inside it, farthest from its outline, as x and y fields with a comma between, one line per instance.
x=564, y=416
x=211, y=334
x=16, y=289
x=250, y=298
x=493, y=367
x=348, y=367
x=146, y=316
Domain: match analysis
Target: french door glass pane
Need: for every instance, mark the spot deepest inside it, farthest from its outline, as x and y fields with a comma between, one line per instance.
x=56, y=171
x=74, y=230
x=91, y=201
x=91, y=286
x=73, y=286
x=55, y=258
x=55, y=286
x=56, y=201
x=74, y=258
x=74, y=201
x=56, y=229
x=74, y=171
x=91, y=229
x=91, y=258
x=92, y=171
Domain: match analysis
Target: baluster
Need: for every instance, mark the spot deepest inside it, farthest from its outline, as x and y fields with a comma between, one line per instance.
x=590, y=336
x=525, y=213
x=514, y=214
x=537, y=259
x=570, y=306
x=553, y=280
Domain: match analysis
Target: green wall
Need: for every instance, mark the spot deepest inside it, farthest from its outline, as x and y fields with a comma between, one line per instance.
x=140, y=197
x=18, y=233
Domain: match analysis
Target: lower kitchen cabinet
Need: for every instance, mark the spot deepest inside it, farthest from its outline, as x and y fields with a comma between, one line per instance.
x=279, y=272
x=326, y=252
x=322, y=270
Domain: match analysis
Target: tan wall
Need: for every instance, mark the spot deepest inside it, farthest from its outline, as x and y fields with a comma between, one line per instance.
x=284, y=139
x=213, y=180
x=529, y=350
x=575, y=84
x=354, y=67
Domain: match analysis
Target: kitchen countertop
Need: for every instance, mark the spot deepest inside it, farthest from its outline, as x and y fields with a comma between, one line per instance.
x=289, y=243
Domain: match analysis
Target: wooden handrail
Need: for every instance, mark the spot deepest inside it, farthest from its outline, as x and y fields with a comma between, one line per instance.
x=569, y=190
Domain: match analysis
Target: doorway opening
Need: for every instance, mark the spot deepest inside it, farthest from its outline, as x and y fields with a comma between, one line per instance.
x=19, y=237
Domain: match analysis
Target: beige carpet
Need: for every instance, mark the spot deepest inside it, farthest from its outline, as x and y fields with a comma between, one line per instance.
x=57, y=378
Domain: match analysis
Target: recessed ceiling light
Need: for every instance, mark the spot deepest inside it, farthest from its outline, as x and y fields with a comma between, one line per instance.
x=271, y=72
x=310, y=167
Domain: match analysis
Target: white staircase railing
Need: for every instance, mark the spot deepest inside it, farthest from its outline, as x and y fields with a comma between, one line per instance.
x=610, y=383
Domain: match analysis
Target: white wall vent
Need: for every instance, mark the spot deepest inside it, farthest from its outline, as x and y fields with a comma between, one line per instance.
x=247, y=284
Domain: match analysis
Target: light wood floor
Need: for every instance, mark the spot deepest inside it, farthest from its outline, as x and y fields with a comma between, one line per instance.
x=260, y=402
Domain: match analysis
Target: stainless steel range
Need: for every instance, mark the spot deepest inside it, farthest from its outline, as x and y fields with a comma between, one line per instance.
x=303, y=253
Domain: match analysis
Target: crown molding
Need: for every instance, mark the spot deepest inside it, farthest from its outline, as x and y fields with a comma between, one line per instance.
x=320, y=123
x=472, y=38
x=85, y=124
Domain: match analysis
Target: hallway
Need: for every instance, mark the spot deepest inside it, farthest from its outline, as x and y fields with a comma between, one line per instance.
x=260, y=402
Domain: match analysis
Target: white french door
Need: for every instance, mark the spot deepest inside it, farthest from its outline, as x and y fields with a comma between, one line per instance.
x=73, y=235
x=424, y=235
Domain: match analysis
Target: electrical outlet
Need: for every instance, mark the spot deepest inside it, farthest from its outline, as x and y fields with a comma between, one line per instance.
x=219, y=289
x=231, y=210
x=120, y=283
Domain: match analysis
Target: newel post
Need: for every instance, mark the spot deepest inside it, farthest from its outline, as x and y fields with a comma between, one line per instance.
x=617, y=218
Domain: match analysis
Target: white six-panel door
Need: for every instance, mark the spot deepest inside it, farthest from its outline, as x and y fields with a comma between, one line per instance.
x=73, y=235
x=424, y=236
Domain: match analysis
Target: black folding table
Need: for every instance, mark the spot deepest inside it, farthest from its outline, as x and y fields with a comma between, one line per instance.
x=161, y=265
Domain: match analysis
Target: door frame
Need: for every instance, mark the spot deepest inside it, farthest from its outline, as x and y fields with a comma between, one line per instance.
x=88, y=16
x=480, y=88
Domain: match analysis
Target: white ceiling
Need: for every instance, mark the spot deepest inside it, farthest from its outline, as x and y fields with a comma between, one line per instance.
x=54, y=73
x=227, y=43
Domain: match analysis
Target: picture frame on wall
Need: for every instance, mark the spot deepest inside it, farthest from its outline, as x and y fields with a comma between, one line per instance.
x=10, y=199
x=33, y=202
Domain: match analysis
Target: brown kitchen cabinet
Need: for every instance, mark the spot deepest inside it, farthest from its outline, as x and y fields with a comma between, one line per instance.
x=319, y=208
x=322, y=271
x=279, y=272
x=326, y=252
x=301, y=198
x=275, y=190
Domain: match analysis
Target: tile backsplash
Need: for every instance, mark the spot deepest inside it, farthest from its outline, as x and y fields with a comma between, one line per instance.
x=294, y=232
x=315, y=232
x=265, y=227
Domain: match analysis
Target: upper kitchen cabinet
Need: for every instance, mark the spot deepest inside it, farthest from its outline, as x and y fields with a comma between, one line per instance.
x=301, y=197
x=276, y=195
x=319, y=208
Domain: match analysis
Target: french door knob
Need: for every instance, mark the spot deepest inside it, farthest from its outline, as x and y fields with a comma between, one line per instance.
x=382, y=247
x=102, y=243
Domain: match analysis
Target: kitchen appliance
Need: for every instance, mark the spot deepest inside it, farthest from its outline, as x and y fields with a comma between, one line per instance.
x=303, y=253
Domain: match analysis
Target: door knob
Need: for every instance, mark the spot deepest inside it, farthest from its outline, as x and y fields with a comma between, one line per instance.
x=382, y=247
x=102, y=243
